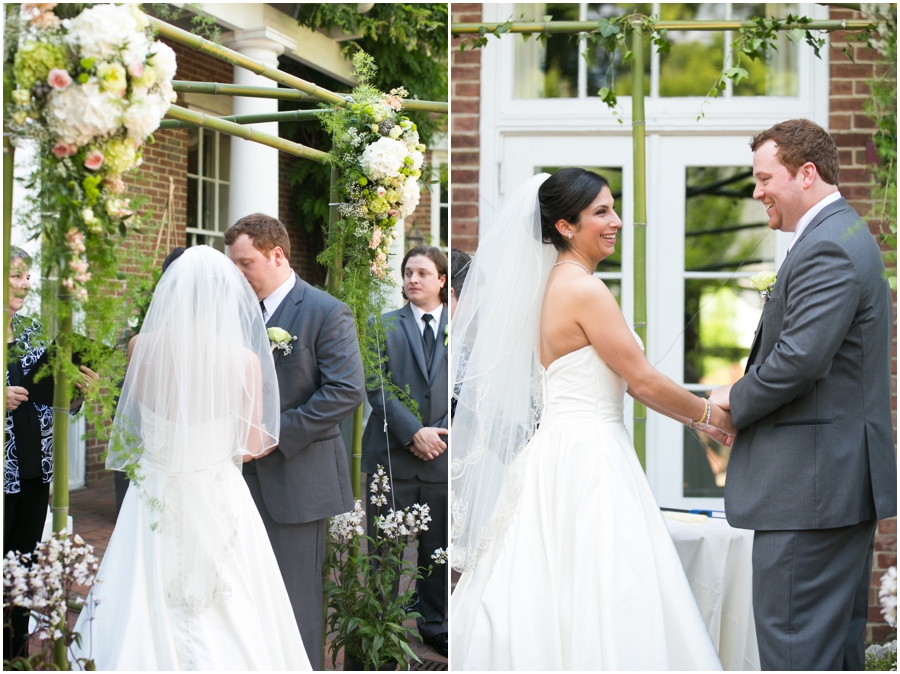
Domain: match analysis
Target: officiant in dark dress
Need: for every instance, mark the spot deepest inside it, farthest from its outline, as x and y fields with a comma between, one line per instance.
x=28, y=464
x=416, y=345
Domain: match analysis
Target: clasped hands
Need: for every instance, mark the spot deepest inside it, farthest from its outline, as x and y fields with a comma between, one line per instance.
x=16, y=395
x=721, y=429
x=427, y=444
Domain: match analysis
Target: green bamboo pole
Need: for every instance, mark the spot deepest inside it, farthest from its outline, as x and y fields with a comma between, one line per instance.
x=554, y=27
x=61, y=403
x=245, y=132
x=214, y=88
x=640, y=222
x=9, y=152
x=235, y=58
x=289, y=116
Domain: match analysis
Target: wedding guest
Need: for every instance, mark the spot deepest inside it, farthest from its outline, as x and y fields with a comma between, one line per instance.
x=28, y=464
x=459, y=267
x=414, y=450
x=813, y=468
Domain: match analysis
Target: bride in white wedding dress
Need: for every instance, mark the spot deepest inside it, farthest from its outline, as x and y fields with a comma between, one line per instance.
x=189, y=579
x=567, y=561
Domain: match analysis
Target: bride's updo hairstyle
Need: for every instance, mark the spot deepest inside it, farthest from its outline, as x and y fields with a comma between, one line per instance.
x=563, y=196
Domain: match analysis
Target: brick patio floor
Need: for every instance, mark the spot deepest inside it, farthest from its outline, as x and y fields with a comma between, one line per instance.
x=94, y=517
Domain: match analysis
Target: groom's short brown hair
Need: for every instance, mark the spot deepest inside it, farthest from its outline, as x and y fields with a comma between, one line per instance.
x=264, y=231
x=800, y=141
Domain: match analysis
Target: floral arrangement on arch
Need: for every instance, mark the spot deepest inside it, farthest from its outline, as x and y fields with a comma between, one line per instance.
x=381, y=160
x=90, y=90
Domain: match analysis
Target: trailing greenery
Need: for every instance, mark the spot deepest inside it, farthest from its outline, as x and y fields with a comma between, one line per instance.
x=881, y=106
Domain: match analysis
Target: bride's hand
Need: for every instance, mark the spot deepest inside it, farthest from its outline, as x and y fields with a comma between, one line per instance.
x=719, y=435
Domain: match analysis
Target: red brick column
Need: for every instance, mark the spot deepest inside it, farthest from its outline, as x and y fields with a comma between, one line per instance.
x=465, y=141
x=852, y=131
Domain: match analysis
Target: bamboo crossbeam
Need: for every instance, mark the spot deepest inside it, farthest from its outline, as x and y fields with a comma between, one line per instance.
x=197, y=43
x=553, y=27
x=184, y=86
x=214, y=88
x=245, y=132
x=289, y=116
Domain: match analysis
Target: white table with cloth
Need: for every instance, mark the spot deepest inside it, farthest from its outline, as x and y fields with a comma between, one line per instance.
x=717, y=561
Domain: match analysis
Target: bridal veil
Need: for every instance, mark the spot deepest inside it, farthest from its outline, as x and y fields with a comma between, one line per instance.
x=495, y=361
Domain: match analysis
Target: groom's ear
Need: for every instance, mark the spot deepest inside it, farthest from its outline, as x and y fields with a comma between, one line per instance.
x=278, y=256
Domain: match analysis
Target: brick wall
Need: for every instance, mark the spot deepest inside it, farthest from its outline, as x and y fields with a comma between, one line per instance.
x=852, y=131
x=464, y=137
x=165, y=158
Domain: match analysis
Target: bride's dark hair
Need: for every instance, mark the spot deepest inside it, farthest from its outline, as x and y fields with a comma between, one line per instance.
x=562, y=197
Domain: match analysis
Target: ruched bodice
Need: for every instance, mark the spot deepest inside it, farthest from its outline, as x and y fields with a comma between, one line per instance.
x=580, y=388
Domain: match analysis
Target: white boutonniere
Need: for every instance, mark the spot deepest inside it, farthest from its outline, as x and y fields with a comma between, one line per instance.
x=280, y=339
x=446, y=334
x=764, y=282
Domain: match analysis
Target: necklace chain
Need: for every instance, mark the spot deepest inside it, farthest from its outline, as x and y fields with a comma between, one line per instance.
x=586, y=270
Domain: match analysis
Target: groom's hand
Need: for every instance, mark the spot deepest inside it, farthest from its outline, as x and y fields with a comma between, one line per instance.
x=719, y=396
x=719, y=436
x=427, y=443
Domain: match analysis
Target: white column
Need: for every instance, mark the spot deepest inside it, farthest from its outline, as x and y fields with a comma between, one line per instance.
x=254, y=167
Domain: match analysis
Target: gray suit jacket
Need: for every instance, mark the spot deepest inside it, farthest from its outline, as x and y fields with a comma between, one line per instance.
x=307, y=478
x=406, y=364
x=815, y=447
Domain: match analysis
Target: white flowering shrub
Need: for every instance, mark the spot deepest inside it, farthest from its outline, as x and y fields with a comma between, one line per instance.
x=883, y=657
x=43, y=582
x=363, y=591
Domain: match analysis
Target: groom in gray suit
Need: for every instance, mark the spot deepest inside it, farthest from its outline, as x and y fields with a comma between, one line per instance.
x=813, y=466
x=306, y=478
x=415, y=449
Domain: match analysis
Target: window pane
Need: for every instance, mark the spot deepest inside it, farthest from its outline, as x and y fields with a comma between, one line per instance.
x=192, y=203
x=549, y=71
x=778, y=75
x=224, y=157
x=209, y=153
x=613, y=175
x=193, y=151
x=207, y=210
x=720, y=317
x=223, y=207
x=695, y=60
x=705, y=465
x=216, y=242
x=602, y=72
x=725, y=228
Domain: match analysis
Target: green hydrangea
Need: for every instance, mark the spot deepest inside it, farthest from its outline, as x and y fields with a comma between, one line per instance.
x=119, y=155
x=34, y=61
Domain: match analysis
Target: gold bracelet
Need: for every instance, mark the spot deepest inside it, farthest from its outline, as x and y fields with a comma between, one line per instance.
x=703, y=416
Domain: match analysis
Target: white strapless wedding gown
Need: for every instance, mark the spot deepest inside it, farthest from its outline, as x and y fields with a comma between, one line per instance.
x=583, y=573
x=189, y=580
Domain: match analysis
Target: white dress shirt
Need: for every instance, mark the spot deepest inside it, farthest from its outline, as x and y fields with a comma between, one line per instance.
x=273, y=301
x=810, y=214
x=436, y=313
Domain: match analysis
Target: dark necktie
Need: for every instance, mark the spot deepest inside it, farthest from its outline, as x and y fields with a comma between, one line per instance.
x=428, y=340
x=262, y=308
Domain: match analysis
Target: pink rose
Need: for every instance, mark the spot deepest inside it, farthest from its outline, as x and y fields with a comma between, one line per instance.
x=381, y=191
x=59, y=79
x=94, y=160
x=136, y=69
x=115, y=184
x=62, y=150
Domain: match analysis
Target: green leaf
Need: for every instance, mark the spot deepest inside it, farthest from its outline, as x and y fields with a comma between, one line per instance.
x=607, y=27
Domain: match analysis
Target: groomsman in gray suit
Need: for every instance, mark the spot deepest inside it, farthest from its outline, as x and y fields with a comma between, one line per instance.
x=415, y=450
x=813, y=466
x=306, y=478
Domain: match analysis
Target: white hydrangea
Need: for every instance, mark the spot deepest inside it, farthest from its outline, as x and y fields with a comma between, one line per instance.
x=409, y=197
x=163, y=60
x=418, y=159
x=142, y=117
x=103, y=30
x=383, y=158
x=80, y=114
